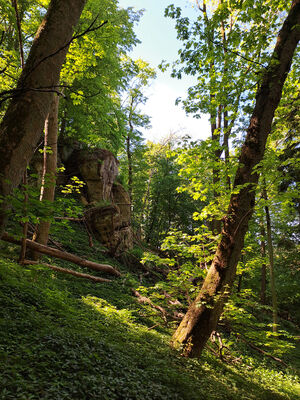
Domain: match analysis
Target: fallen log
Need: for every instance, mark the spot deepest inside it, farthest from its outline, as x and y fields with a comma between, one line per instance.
x=67, y=271
x=50, y=251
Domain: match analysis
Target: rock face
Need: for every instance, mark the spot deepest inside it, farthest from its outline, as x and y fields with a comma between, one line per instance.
x=111, y=223
x=109, y=208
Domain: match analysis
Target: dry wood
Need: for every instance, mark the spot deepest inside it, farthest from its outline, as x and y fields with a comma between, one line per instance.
x=31, y=232
x=50, y=251
x=216, y=335
x=67, y=271
x=146, y=300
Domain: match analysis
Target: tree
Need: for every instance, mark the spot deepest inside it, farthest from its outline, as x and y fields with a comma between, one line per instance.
x=142, y=74
x=223, y=47
x=49, y=170
x=271, y=261
x=25, y=116
x=202, y=316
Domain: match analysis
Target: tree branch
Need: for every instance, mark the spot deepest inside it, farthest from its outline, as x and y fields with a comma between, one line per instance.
x=88, y=30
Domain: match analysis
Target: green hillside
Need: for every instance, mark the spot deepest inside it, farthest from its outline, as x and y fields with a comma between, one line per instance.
x=68, y=338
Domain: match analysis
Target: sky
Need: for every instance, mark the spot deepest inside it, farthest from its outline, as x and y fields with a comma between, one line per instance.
x=158, y=37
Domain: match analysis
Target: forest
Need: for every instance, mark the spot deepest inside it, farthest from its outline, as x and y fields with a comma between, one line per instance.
x=138, y=269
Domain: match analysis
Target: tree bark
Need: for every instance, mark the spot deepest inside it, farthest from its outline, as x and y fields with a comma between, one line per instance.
x=203, y=314
x=25, y=116
x=18, y=22
x=49, y=170
x=63, y=255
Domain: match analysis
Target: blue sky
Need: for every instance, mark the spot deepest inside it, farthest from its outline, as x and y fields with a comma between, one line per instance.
x=158, y=37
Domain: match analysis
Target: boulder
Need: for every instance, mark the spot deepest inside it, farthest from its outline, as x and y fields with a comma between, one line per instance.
x=98, y=169
x=108, y=213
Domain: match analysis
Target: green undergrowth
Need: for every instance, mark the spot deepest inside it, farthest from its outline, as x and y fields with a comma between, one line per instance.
x=67, y=338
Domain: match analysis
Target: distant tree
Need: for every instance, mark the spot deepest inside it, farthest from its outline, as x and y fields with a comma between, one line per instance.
x=142, y=74
x=165, y=207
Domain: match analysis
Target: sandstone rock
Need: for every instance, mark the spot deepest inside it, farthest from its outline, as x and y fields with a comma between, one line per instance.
x=98, y=169
x=109, y=212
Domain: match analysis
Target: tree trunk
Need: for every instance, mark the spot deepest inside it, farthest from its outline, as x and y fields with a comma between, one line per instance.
x=263, y=267
x=203, y=314
x=271, y=263
x=25, y=116
x=129, y=152
x=129, y=160
x=49, y=170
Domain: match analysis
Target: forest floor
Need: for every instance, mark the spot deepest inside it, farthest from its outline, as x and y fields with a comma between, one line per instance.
x=65, y=338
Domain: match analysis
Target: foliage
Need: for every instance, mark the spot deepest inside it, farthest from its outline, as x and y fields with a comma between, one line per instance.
x=94, y=76
x=62, y=338
x=34, y=210
x=165, y=207
x=133, y=152
x=224, y=47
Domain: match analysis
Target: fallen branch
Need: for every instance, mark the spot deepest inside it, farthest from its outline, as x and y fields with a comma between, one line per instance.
x=262, y=351
x=216, y=335
x=50, y=251
x=146, y=300
x=68, y=271
x=215, y=353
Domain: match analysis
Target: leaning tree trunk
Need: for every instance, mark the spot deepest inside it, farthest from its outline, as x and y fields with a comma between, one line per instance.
x=49, y=171
x=25, y=116
x=203, y=314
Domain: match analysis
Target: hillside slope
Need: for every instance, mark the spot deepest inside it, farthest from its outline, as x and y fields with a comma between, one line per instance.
x=63, y=337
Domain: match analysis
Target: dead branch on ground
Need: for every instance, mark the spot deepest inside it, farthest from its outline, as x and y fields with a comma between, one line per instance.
x=67, y=271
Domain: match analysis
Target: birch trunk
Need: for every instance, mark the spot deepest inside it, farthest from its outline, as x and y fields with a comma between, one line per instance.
x=271, y=263
x=49, y=170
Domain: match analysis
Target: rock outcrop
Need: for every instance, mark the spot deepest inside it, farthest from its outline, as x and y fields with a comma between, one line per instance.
x=108, y=204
